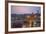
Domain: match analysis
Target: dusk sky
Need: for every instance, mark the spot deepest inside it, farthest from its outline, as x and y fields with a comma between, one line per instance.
x=24, y=9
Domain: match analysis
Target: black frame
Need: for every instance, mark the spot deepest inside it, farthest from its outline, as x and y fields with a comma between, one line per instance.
x=6, y=16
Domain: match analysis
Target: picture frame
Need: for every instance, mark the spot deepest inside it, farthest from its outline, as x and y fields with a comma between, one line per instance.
x=8, y=13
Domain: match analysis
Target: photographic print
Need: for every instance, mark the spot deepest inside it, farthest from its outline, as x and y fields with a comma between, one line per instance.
x=24, y=17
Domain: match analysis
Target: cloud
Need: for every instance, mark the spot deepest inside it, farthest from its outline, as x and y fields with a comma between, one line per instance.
x=23, y=9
